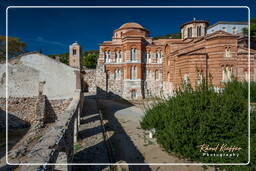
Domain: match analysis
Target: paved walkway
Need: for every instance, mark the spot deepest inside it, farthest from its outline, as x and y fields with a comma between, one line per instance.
x=130, y=142
x=91, y=147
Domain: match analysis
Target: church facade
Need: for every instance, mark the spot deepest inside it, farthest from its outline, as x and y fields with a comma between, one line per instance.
x=135, y=66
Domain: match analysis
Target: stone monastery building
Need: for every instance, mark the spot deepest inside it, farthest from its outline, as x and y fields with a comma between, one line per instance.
x=134, y=66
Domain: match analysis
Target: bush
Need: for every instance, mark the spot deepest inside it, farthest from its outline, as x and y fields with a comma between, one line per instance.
x=202, y=116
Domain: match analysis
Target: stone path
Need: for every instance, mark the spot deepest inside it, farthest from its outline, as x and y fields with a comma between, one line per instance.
x=132, y=144
x=91, y=147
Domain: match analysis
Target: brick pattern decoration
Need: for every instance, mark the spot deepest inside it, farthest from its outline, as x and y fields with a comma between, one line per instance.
x=187, y=58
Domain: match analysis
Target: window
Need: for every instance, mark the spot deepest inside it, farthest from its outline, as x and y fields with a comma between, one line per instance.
x=115, y=74
x=74, y=51
x=198, y=31
x=212, y=31
x=156, y=75
x=116, y=56
x=119, y=56
x=168, y=76
x=226, y=73
x=133, y=72
x=227, y=52
x=190, y=32
x=133, y=94
x=224, y=29
x=106, y=56
x=133, y=54
x=148, y=57
x=200, y=78
x=246, y=75
x=157, y=56
x=234, y=30
x=186, y=79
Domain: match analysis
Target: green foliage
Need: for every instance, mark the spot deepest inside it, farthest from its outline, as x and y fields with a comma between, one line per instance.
x=64, y=58
x=194, y=117
x=252, y=28
x=90, y=58
x=172, y=36
x=15, y=47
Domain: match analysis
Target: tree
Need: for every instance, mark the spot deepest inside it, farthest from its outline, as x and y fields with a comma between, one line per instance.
x=64, y=58
x=252, y=28
x=15, y=47
x=90, y=61
x=168, y=36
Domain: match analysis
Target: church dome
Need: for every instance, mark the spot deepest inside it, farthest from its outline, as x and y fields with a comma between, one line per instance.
x=131, y=25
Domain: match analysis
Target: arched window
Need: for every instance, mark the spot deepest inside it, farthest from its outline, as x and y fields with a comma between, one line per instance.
x=74, y=51
x=156, y=75
x=133, y=72
x=198, y=30
x=186, y=79
x=148, y=57
x=119, y=56
x=226, y=73
x=115, y=74
x=116, y=57
x=190, y=32
x=133, y=54
x=228, y=52
x=168, y=76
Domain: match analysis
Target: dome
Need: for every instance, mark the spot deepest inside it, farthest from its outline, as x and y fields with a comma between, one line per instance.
x=131, y=25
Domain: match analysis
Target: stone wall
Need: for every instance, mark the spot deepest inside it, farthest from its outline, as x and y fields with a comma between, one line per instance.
x=89, y=81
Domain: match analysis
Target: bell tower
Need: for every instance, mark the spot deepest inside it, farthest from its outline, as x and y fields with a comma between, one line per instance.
x=75, y=55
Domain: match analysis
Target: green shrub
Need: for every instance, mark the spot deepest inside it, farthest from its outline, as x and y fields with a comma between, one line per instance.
x=202, y=116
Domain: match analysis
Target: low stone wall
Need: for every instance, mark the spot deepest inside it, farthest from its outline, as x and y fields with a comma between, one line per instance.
x=23, y=108
x=58, y=141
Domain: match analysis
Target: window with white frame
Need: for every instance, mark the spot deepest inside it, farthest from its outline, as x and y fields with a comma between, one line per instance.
x=133, y=54
x=133, y=72
x=107, y=56
x=234, y=30
x=228, y=52
x=226, y=73
x=224, y=28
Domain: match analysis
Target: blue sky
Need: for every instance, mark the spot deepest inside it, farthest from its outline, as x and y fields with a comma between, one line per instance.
x=52, y=30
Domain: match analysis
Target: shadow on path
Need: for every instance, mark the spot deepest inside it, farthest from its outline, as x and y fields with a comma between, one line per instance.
x=123, y=147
